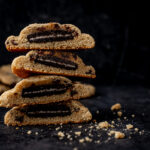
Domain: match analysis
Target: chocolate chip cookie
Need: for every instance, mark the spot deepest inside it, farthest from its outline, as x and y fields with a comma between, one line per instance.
x=50, y=36
x=51, y=62
x=45, y=114
x=7, y=77
x=45, y=89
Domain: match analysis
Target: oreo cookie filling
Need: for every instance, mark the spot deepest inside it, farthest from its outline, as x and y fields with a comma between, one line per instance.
x=45, y=90
x=54, y=61
x=50, y=36
x=47, y=110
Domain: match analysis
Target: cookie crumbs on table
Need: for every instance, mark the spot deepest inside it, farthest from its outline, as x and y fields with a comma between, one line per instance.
x=116, y=106
x=129, y=126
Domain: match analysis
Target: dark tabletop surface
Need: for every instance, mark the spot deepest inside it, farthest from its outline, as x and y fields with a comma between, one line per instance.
x=134, y=100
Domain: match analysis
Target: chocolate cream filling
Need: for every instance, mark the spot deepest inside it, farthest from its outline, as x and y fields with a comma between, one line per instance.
x=50, y=36
x=47, y=110
x=54, y=61
x=45, y=90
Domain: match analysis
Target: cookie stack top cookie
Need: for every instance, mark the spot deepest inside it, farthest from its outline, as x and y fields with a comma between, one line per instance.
x=50, y=36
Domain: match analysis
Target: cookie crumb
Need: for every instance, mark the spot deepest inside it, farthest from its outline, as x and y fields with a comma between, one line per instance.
x=88, y=139
x=97, y=142
x=116, y=106
x=97, y=112
x=104, y=124
x=81, y=140
x=78, y=133
x=29, y=132
x=119, y=135
x=136, y=129
x=125, y=118
x=113, y=122
x=57, y=128
x=119, y=113
x=129, y=126
x=60, y=134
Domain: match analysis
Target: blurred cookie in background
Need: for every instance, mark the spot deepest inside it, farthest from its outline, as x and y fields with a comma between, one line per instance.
x=7, y=77
x=3, y=88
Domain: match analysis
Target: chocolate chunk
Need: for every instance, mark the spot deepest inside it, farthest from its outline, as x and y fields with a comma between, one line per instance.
x=54, y=61
x=75, y=56
x=76, y=109
x=19, y=118
x=47, y=110
x=45, y=90
x=50, y=36
x=73, y=92
x=14, y=42
x=89, y=72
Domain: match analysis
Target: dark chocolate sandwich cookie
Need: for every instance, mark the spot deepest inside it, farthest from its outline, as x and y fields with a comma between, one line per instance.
x=45, y=89
x=50, y=36
x=44, y=114
x=51, y=62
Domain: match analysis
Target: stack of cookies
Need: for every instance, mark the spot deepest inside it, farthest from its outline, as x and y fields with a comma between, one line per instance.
x=46, y=95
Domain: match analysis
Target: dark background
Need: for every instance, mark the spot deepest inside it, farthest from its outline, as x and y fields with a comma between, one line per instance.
x=121, y=59
x=121, y=31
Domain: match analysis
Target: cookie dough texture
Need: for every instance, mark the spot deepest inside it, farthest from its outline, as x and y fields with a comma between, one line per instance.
x=55, y=63
x=41, y=32
x=79, y=114
x=7, y=77
x=14, y=96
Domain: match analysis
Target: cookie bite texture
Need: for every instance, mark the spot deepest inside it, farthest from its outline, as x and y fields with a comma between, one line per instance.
x=51, y=62
x=44, y=114
x=50, y=36
x=44, y=90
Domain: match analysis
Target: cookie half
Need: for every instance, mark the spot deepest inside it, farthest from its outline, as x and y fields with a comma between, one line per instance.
x=43, y=90
x=3, y=88
x=7, y=77
x=45, y=114
x=51, y=62
x=50, y=36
